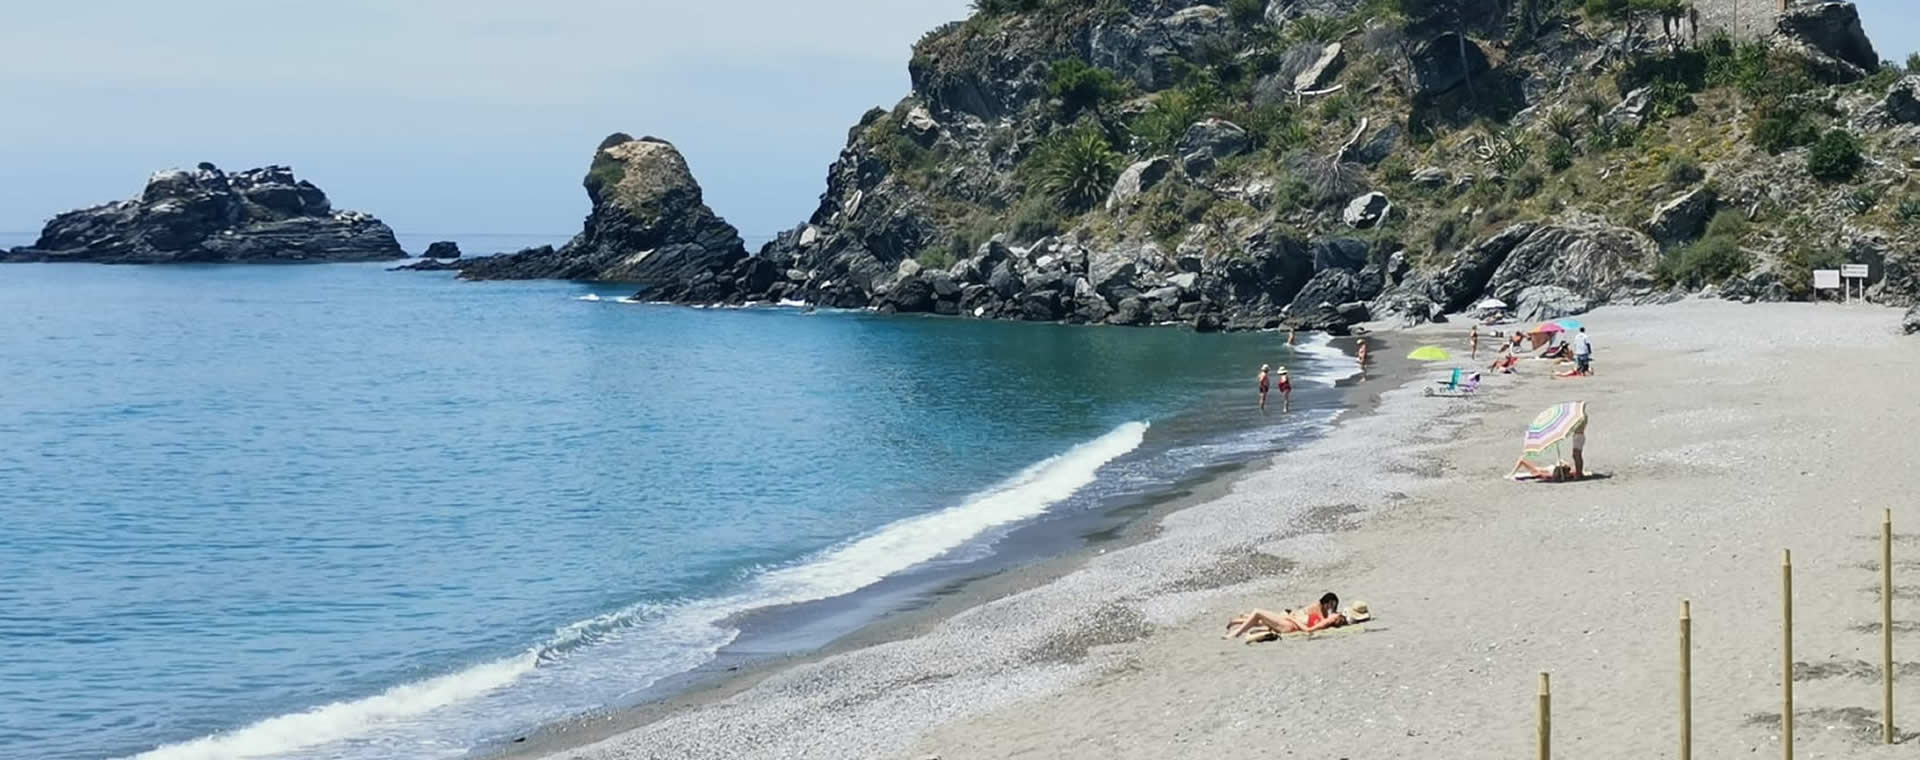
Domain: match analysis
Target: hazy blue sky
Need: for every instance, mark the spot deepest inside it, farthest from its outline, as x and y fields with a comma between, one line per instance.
x=475, y=117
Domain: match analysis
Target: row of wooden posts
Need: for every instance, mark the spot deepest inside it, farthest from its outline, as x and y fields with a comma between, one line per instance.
x=1786, y=659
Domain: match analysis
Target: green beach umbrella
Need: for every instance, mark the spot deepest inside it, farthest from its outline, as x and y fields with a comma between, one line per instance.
x=1430, y=354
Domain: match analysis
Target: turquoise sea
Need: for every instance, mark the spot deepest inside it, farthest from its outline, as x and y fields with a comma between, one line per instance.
x=335, y=512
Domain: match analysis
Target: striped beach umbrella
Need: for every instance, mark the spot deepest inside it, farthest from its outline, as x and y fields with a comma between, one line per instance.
x=1556, y=424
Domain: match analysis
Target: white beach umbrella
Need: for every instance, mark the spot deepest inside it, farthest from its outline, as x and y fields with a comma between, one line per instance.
x=1491, y=303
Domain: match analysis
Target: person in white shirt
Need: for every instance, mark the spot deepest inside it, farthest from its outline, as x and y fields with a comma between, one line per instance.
x=1582, y=352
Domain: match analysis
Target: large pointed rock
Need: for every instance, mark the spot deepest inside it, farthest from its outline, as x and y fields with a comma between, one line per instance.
x=649, y=225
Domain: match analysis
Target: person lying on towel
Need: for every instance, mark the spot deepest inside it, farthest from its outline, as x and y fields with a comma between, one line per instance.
x=1317, y=616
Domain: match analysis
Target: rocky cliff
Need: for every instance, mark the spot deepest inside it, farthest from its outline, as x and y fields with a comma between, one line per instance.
x=1320, y=162
x=206, y=215
x=649, y=225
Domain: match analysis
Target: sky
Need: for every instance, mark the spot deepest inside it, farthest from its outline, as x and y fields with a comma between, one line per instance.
x=467, y=119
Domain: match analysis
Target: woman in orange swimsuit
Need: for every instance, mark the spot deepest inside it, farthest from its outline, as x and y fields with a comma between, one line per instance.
x=1317, y=616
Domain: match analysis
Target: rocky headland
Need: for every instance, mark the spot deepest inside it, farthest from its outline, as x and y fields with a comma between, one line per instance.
x=207, y=215
x=1314, y=163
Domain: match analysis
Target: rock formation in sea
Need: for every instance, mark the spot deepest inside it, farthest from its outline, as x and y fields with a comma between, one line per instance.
x=442, y=249
x=207, y=215
x=1319, y=162
x=648, y=225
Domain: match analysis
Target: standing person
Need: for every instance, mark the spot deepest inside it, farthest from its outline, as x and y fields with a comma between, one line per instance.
x=1263, y=387
x=1286, y=391
x=1362, y=356
x=1290, y=332
x=1582, y=353
x=1473, y=338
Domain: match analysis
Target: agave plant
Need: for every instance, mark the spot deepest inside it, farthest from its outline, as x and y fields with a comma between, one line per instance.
x=1080, y=168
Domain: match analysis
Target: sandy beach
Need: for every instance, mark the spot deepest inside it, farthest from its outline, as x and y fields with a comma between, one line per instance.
x=1728, y=433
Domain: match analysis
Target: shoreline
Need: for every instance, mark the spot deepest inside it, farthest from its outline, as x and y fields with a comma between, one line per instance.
x=732, y=674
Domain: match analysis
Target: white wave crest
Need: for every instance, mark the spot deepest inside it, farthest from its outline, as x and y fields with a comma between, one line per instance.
x=346, y=720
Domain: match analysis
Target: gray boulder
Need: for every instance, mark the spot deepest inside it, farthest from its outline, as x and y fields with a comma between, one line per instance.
x=1329, y=287
x=1220, y=137
x=1321, y=72
x=1829, y=34
x=206, y=215
x=1445, y=62
x=1682, y=218
x=1594, y=259
x=1632, y=111
x=1367, y=211
x=1539, y=303
x=1902, y=103
x=1138, y=178
x=1131, y=311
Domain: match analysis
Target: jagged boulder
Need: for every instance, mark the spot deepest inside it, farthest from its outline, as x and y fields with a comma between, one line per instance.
x=206, y=215
x=1682, y=218
x=1136, y=179
x=1329, y=287
x=1632, y=111
x=1464, y=278
x=648, y=225
x=1828, y=34
x=1444, y=62
x=1902, y=103
x=1321, y=72
x=1210, y=140
x=1589, y=257
x=1367, y=210
x=1538, y=303
x=443, y=249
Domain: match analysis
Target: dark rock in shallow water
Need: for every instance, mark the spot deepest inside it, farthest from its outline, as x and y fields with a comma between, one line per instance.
x=648, y=226
x=444, y=249
x=206, y=215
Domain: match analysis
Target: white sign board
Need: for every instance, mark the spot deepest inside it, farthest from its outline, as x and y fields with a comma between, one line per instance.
x=1826, y=279
x=1853, y=270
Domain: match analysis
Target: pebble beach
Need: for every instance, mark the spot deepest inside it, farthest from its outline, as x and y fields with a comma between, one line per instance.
x=1726, y=433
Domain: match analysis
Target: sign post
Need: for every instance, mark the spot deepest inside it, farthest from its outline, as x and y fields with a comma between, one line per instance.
x=1826, y=279
x=1856, y=279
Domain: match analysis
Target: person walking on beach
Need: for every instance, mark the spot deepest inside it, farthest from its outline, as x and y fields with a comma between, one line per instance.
x=1582, y=353
x=1263, y=387
x=1286, y=392
x=1473, y=339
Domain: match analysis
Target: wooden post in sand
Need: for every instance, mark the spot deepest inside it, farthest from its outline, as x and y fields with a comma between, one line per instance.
x=1786, y=654
x=1686, y=680
x=1546, y=719
x=1886, y=625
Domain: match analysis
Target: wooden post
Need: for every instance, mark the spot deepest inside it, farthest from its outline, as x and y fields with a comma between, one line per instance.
x=1786, y=654
x=1886, y=625
x=1686, y=680
x=1546, y=720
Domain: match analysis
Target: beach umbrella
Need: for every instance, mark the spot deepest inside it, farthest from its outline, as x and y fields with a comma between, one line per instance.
x=1491, y=303
x=1430, y=354
x=1548, y=328
x=1556, y=424
x=1570, y=324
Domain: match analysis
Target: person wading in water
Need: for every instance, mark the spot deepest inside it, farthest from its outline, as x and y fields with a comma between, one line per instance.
x=1263, y=387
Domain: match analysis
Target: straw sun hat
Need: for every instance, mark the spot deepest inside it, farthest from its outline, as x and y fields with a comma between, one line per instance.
x=1357, y=613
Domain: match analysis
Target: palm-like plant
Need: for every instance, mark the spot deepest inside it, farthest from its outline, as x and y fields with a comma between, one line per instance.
x=1080, y=168
x=1562, y=123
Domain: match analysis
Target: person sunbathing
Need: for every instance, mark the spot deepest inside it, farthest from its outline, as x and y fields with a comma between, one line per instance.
x=1317, y=616
x=1504, y=365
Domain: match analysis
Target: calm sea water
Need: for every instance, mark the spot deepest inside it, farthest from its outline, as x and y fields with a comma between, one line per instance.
x=331, y=511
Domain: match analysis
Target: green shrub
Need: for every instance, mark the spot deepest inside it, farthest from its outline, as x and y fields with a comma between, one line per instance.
x=1036, y=217
x=1322, y=29
x=1671, y=99
x=1863, y=200
x=1729, y=223
x=1247, y=12
x=1784, y=128
x=1682, y=171
x=1913, y=63
x=1163, y=123
x=1603, y=9
x=1080, y=86
x=1526, y=184
x=1559, y=155
x=936, y=258
x=968, y=234
x=1396, y=171
x=1562, y=123
x=1710, y=260
x=1167, y=210
x=1909, y=208
x=1686, y=68
x=1835, y=158
x=1343, y=107
x=1077, y=167
x=1517, y=157
x=1004, y=7
x=1273, y=127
